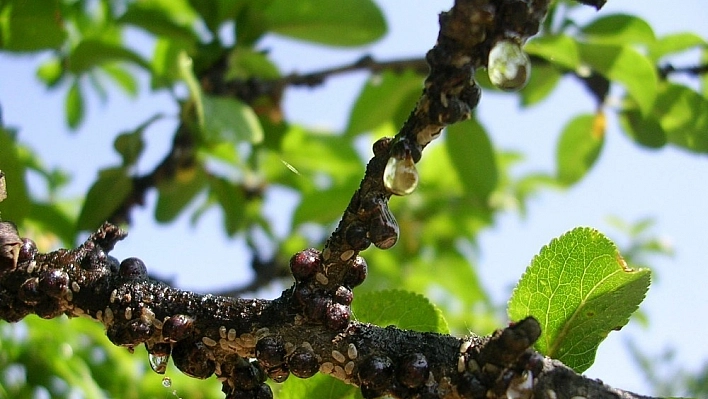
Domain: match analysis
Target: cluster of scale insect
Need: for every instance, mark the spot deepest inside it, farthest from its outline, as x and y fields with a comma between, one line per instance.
x=327, y=307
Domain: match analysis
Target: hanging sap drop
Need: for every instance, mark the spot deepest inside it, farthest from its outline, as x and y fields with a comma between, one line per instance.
x=167, y=382
x=400, y=176
x=158, y=363
x=508, y=67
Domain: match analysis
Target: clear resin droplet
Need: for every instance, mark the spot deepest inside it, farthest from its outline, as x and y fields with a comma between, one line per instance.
x=400, y=176
x=508, y=67
x=158, y=363
x=167, y=382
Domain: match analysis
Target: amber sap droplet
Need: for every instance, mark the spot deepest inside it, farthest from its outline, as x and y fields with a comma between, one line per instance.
x=400, y=176
x=508, y=67
x=167, y=382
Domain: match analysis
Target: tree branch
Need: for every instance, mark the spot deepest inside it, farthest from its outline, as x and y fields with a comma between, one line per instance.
x=308, y=328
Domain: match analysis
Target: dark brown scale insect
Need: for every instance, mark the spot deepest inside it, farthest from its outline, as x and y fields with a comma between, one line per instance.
x=133, y=333
x=132, y=269
x=305, y=264
x=413, y=370
x=192, y=358
x=245, y=375
x=54, y=282
x=27, y=251
x=356, y=272
x=337, y=316
x=302, y=363
x=270, y=351
x=177, y=328
x=29, y=291
x=357, y=236
x=376, y=372
x=278, y=374
x=381, y=146
x=94, y=260
x=343, y=295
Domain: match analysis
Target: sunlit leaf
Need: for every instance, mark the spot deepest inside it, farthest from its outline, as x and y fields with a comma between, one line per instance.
x=156, y=20
x=230, y=120
x=619, y=29
x=473, y=158
x=74, y=105
x=404, y=309
x=627, y=66
x=579, y=146
x=543, y=80
x=31, y=25
x=14, y=207
x=232, y=201
x=381, y=98
x=560, y=50
x=580, y=289
x=93, y=52
x=319, y=386
x=104, y=197
x=683, y=115
x=123, y=78
x=331, y=22
x=674, y=43
x=50, y=72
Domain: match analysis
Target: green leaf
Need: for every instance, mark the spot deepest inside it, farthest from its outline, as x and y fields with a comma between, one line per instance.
x=473, y=157
x=104, y=197
x=50, y=72
x=74, y=105
x=53, y=218
x=543, y=80
x=245, y=63
x=645, y=131
x=174, y=195
x=214, y=12
x=130, y=145
x=233, y=203
x=579, y=146
x=580, y=289
x=31, y=25
x=404, y=309
x=124, y=79
x=230, y=120
x=14, y=207
x=559, y=50
x=158, y=21
x=311, y=210
x=619, y=29
x=330, y=22
x=674, y=43
x=319, y=386
x=381, y=98
x=683, y=115
x=627, y=66
x=91, y=53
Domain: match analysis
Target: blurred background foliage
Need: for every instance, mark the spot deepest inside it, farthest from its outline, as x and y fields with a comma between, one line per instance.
x=233, y=147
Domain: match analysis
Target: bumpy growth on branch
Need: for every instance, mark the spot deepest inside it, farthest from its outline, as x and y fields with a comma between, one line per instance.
x=308, y=328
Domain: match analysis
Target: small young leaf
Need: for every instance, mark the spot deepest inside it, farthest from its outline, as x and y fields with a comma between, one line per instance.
x=619, y=29
x=472, y=155
x=579, y=147
x=331, y=22
x=105, y=196
x=230, y=120
x=74, y=105
x=232, y=201
x=627, y=66
x=50, y=72
x=404, y=309
x=580, y=289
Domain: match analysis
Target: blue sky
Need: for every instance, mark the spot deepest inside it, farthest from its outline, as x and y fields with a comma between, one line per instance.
x=628, y=181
